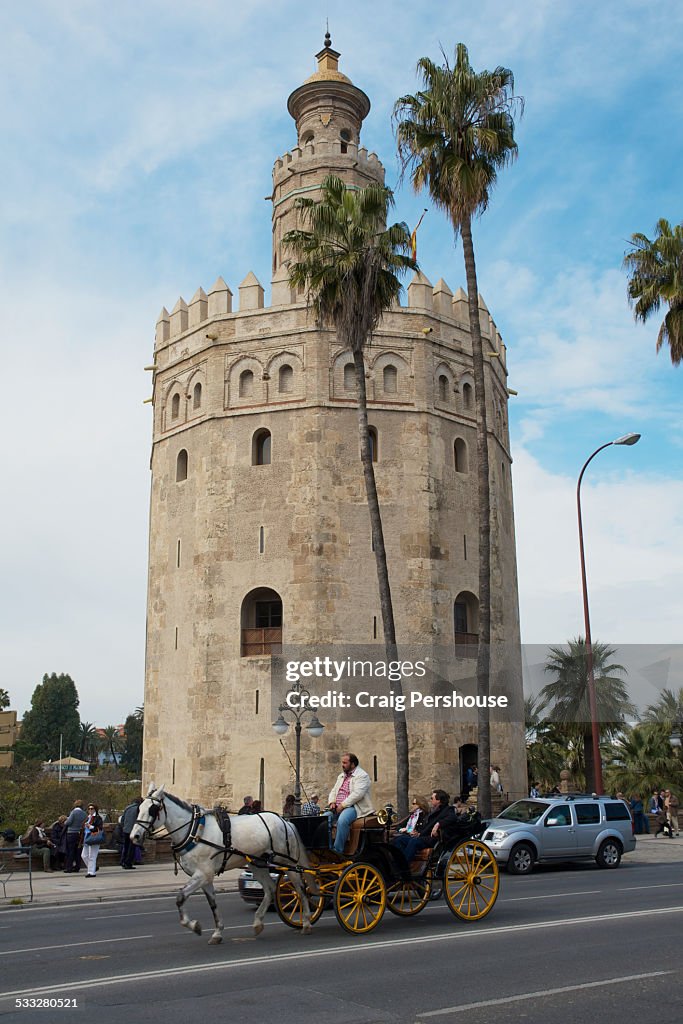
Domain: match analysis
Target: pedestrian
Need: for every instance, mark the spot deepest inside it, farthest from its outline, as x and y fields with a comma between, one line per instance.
x=671, y=806
x=663, y=824
x=58, y=836
x=534, y=792
x=73, y=826
x=496, y=784
x=640, y=823
x=288, y=806
x=246, y=805
x=93, y=837
x=256, y=807
x=127, y=821
x=311, y=808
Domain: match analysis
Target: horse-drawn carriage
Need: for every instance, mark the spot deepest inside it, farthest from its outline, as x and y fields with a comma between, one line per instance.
x=372, y=875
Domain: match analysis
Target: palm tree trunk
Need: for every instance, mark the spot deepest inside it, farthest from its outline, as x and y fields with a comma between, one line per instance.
x=589, y=761
x=386, y=606
x=484, y=492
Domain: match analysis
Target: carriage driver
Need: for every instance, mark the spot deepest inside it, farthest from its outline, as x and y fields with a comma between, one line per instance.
x=349, y=799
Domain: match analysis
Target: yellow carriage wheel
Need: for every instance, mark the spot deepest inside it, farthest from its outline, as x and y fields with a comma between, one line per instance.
x=289, y=907
x=408, y=898
x=471, y=880
x=360, y=898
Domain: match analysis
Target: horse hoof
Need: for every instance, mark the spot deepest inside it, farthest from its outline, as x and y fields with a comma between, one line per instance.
x=196, y=927
x=307, y=929
x=215, y=940
x=258, y=927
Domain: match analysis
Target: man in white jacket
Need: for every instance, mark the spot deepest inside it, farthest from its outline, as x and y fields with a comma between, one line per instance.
x=349, y=799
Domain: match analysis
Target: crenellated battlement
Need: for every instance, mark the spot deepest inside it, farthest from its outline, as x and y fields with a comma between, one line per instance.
x=326, y=150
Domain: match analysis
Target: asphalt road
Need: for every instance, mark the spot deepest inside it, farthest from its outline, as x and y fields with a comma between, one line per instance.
x=564, y=945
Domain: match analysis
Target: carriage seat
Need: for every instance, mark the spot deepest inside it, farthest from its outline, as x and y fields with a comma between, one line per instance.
x=359, y=825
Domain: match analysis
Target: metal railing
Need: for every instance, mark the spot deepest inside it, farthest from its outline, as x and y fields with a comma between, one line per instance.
x=263, y=642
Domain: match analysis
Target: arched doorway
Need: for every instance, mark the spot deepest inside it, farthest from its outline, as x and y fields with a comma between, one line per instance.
x=469, y=753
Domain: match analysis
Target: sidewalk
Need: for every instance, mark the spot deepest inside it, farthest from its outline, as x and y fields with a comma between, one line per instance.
x=113, y=883
x=110, y=883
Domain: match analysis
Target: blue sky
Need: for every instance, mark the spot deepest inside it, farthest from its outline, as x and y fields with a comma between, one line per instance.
x=139, y=142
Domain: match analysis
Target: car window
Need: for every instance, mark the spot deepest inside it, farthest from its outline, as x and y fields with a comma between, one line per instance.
x=527, y=811
x=617, y=812
x=587, y=814
x=558, y=816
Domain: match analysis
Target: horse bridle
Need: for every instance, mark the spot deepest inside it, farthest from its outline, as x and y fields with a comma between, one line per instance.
x=157, y=806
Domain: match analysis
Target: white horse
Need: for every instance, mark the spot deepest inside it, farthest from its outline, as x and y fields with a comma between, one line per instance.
x=256, y=840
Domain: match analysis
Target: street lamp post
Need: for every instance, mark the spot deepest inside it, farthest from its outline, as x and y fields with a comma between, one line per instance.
x=297, y=708
x=627, y=439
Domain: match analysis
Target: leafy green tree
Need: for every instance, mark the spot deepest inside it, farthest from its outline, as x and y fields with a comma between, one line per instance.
x=4, y=699
x=134, y=728
x=454, y=135
x=53, y=713
x=656, y=269
x=568, y=700
x=349, y=261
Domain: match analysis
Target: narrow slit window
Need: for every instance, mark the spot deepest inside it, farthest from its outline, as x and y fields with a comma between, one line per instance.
x=372, y=440
x=176, y=638
x=375, y=768
x=443, y=388
x=181, y=466
x=261, y=540
x=464, y=545
x=175, y=407
x=374, y=627
x=197, y=396
x=177, y=557
x=256, y=703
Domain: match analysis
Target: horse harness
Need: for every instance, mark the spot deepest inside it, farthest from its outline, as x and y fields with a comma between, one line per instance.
x=195, y=836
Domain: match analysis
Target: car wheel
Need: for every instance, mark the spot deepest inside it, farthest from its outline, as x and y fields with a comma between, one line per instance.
x=609, y=854
x=521, y=860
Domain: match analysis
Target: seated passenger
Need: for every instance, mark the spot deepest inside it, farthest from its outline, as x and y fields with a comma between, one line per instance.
x=439, y=818
x=416, y=819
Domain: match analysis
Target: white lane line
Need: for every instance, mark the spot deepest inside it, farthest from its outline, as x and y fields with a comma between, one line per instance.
x=550, y=896
x=70, y=945
x=541, y=994
x=143, y=913
x=347, y=950
x=660, y=885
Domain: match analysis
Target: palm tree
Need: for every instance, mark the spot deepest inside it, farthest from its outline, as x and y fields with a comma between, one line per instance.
x=641, y=759
x=4, y=699
x=455, y=135
x=667, y=711
x=348, y=262
x=112, y=740
x=567, y=696
x=87, y=741
x=657, y=276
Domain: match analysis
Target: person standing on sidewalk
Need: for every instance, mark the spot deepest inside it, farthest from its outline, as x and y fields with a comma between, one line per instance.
x=73, y=826
x=128, y=819
x=92, y=826
x=671, y=806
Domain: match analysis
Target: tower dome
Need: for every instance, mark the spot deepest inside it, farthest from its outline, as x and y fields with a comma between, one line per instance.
x=328, y=106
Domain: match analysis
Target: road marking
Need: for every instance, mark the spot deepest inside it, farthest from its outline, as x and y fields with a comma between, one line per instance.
x=347, y=950
x=541, y=994
x=70, y=945
x=550, y=896
x=661, y=885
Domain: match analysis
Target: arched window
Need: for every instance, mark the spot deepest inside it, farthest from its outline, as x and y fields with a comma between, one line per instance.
x=307, y=139
x=197, y=396
x=261, y=622
x=175, y=407
x=390, y=377
x=460, y=455
x=246, y=384
x=181, y=466
x=467, y=396
x=349, y=377
x=373, y=440
x=285, y=379
x=345, y=138
x=466, y=619
x=443, y=388
x=260, y=451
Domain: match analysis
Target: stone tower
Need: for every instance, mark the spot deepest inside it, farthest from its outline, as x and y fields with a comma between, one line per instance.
x=259, y=529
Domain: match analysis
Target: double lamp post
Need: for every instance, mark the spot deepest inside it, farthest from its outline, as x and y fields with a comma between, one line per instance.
x=295, y=705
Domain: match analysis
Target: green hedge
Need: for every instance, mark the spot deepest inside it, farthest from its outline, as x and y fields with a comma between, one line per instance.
x=24, y=800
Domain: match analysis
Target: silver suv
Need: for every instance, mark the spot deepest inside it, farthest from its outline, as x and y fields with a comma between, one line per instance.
x=561, y=828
